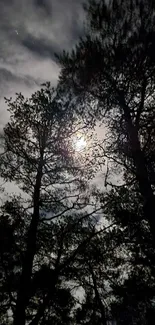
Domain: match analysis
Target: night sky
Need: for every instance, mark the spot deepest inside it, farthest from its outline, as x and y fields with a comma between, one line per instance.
x=31, y=31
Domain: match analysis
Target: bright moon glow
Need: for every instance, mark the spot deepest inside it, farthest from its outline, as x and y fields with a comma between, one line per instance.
x=79, y=143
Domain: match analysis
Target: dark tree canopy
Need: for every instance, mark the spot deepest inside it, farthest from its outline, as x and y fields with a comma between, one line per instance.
x=72, y=252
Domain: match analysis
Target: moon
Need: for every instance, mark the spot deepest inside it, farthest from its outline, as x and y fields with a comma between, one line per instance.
x=79, y=143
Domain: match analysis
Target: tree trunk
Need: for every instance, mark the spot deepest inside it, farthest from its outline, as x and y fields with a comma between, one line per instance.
x=101, y=306
x=25, y=281
x=141, y=170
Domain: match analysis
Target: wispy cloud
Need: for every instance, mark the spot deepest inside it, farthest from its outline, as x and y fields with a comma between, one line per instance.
x=31, y=31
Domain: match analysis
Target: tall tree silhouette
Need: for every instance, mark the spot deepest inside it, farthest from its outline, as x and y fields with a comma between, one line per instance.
x=38, y=157
x=113, y=66
x=57, y=262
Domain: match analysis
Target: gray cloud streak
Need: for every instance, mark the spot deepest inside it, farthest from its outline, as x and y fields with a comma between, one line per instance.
x=31, y=31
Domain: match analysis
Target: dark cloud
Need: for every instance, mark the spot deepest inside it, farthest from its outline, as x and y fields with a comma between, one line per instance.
x=31, y=31
x=41, y=47
x=6, y=76
x=44, y=5
x=59, y=28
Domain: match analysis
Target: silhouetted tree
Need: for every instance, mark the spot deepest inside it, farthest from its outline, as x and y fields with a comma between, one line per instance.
x=112, y=68
x=38, y=157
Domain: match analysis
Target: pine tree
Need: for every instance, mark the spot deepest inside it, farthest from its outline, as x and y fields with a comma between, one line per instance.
x=38, y=157
x=112, y=69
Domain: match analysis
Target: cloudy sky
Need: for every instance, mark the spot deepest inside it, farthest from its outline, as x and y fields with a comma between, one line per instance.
x=31, y=31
